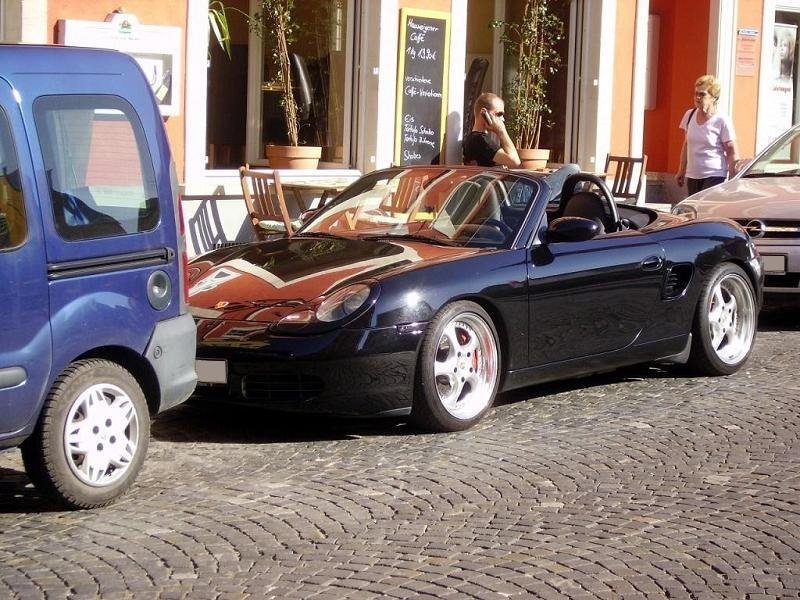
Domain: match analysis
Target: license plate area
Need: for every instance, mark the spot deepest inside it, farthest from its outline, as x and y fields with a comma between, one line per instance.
x=774, y=264
x=211, y=371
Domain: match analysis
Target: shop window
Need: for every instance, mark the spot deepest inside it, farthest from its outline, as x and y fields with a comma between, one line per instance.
x=226, y=112
x=553, y=134
x=783, y=98
x=318, y=63
x=237, y=129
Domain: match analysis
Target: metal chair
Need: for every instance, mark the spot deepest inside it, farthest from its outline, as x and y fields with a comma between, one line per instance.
x=266, y=205
x=628, y=173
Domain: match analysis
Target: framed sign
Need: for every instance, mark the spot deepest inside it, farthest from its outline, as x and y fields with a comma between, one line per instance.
x=156, y=48
x=422, y=71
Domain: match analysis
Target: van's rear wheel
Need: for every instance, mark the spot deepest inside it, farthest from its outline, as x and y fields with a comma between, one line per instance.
x=92, y=435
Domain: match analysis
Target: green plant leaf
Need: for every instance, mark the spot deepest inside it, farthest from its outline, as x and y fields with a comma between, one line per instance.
x=218, y=23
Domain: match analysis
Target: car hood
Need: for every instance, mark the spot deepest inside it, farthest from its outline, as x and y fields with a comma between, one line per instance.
x=754, y=198
x=262, y=281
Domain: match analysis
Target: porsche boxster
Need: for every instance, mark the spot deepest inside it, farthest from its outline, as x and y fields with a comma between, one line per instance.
x=425, y=291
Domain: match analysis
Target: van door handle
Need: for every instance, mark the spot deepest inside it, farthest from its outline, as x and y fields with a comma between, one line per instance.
x=652, y=263
x=12, y=377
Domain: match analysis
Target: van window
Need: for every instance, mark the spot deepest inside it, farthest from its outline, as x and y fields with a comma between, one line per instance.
x=98, y=166
x=13, y=228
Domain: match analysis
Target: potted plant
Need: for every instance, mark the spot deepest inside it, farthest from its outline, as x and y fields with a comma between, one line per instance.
x=531, y=44
x=276, y=17
x=218, y=26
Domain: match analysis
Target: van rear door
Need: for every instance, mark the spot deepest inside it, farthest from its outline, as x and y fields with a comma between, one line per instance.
x=25, y=348
x=113, y=236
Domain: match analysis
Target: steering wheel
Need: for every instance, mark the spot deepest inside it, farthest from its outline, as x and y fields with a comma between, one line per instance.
x=571, y=182
x=505, y=229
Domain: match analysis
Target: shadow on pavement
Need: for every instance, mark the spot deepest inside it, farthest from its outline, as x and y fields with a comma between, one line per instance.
x=780, y=318
x=220, y=423
x=17, y=494
x=635, y=372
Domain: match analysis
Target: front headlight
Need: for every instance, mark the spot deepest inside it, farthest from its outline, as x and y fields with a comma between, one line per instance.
x=685, y=210
x=343, y=303
x=317, y=315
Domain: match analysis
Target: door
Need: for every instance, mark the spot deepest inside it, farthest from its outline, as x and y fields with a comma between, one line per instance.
x=25, y=349
x=591, y=297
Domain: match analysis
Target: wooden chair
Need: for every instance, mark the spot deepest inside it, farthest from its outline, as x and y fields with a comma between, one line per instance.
x=408, y=189
x=628, y=173
x=266, y=205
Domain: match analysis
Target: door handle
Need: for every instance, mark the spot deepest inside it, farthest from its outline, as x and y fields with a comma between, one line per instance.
x=652, y=263
x=12, y=377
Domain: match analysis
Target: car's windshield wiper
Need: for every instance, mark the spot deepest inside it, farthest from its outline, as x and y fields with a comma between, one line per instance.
x=412, y=237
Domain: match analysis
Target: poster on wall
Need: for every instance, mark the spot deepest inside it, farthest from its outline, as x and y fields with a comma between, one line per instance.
x=781, y=96
x=423, y=65
x=155, y=47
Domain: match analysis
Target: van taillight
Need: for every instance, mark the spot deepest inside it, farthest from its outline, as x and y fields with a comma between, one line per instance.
x=184, y=266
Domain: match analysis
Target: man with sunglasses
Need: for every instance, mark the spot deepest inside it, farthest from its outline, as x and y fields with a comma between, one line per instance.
x=488, y=144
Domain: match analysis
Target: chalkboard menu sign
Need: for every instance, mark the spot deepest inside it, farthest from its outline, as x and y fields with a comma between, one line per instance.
x=423, y=64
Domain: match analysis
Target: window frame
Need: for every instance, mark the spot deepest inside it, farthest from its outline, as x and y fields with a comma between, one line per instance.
x=6, y=122
x=50, y=144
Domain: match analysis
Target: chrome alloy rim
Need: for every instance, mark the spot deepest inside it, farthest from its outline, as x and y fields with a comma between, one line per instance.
x=731, y=319
x=466, y=367
x=101, y=434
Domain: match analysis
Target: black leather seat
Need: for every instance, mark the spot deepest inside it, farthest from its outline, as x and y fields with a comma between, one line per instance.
x=588, y=205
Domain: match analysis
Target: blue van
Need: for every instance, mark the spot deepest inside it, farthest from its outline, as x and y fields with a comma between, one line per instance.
x=95, y=336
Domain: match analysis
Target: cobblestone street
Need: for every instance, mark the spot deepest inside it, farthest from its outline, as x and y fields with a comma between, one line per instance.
x=638, y=484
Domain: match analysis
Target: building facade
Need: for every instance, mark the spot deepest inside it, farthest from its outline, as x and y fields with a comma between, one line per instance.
x=626, y=79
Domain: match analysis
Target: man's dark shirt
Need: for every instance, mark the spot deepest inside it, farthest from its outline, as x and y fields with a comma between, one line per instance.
x=479, y=149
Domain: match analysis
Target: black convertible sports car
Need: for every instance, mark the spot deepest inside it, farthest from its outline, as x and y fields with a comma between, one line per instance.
x=424, y=291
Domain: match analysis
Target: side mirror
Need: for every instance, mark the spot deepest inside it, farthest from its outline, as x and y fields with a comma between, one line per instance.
x=741, y=164
x=573, y=229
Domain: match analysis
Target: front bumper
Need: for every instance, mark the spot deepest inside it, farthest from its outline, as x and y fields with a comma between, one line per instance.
x=171, y=353
x=361, y=372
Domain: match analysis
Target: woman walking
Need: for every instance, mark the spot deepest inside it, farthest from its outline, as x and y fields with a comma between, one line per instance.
x=709, y=152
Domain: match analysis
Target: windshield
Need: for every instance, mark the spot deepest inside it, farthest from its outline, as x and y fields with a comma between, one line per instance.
x=463, y=207
x=780, y=159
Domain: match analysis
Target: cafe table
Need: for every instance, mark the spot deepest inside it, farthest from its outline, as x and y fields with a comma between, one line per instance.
x=321, y=190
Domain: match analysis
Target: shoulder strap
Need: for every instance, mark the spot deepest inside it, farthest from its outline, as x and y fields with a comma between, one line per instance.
x=691, y=114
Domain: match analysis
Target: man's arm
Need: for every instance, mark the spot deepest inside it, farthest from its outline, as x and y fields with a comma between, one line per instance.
x=507, y=154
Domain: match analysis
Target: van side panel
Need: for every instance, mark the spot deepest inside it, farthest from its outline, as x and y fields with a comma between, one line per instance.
x=25, y=341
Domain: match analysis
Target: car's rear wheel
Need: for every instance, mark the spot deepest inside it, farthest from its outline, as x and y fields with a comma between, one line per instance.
x=459, y=369
x=92, y=435
x=725, y=323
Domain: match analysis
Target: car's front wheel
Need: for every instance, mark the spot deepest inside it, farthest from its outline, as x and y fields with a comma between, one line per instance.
x=459, y=369
x=91, y=437
x=725, y=323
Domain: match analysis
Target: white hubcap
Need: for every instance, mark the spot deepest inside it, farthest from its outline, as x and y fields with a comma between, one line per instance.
x=101, y=434
x=466, y=366
x=731, y=319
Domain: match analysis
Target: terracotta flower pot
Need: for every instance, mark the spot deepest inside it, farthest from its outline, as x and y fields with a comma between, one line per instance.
x=534, y=158
x=293, y=157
